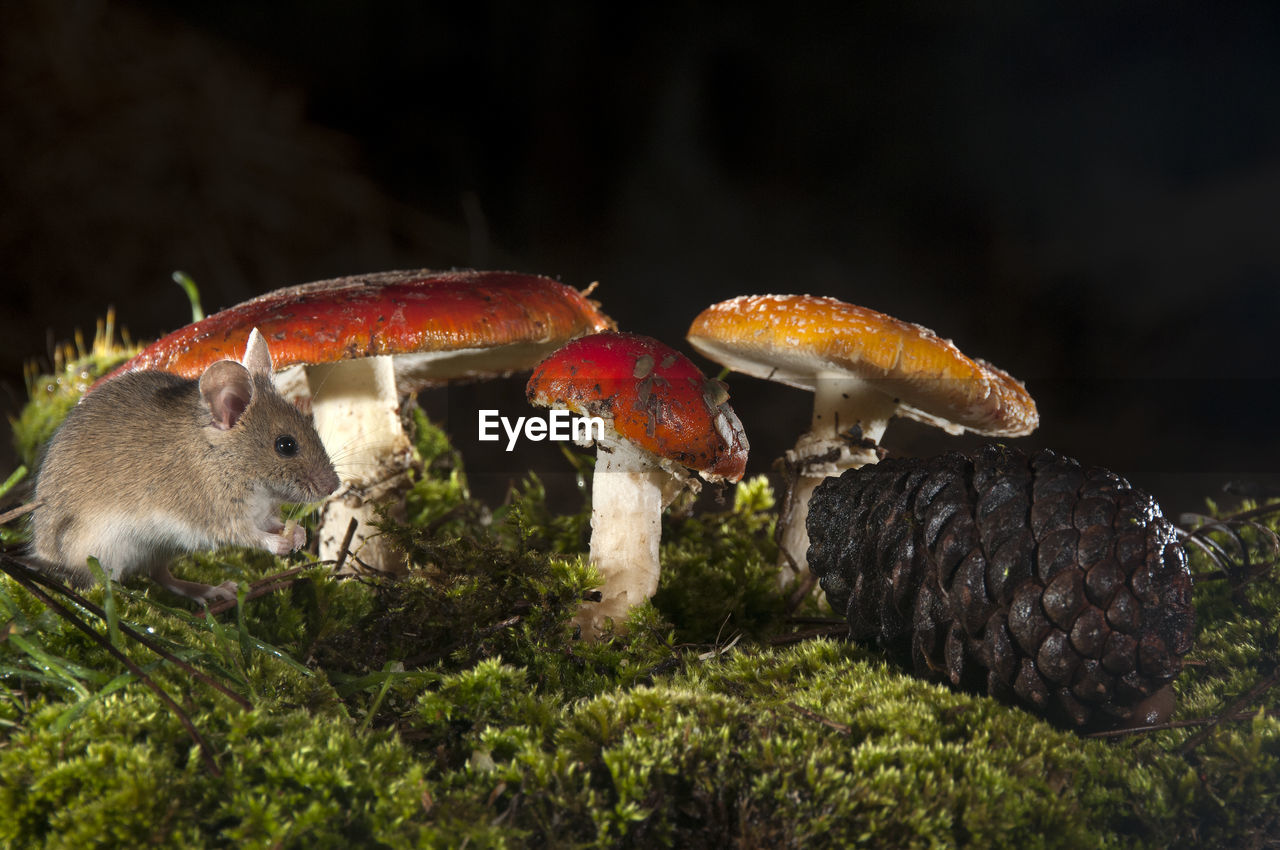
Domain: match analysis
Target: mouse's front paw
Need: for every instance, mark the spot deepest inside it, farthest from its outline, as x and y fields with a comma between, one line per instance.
x=278, y=544
x=291, y=538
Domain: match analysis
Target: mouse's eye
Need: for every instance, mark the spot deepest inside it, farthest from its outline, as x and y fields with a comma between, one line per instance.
x=286, y=446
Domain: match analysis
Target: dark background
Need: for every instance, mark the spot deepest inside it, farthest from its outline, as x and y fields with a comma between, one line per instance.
x=1085, y=195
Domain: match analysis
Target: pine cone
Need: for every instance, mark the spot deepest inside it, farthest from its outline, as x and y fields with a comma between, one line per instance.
x=1032, y=579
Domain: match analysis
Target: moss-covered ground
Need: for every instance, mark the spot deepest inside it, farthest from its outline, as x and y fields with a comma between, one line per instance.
x=456, y=707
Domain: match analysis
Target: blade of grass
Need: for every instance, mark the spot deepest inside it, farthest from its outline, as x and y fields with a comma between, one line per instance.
x=108, y=601
x=245, y=639
x=347, y=685
x=69, y=674
x=377, y=701
x=220, y=640
x=12, y=481
x=29, y=674
x=193, y=293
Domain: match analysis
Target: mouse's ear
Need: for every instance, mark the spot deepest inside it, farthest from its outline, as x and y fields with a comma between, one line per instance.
x=227, y=389
x=257, y=357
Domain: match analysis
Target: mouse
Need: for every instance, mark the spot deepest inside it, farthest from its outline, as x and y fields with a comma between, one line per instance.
x=150, y=465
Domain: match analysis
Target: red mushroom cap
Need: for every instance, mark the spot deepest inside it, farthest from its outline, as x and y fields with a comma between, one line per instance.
x=651, y=395
x=387, y=313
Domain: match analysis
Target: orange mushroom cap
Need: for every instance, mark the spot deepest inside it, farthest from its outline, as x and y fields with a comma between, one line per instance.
x=794, y=338
x=387, y=313
x=651, y=395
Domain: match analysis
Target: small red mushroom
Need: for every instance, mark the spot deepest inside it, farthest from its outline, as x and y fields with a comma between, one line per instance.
x=366, y=340
x=661, y=417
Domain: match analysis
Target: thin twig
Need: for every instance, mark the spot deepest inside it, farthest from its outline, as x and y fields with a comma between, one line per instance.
x=822, y=631
x=825, y=721
x=20, y=511
x=790, y=475
x=346, y=545
x=1179, y=724
x=1211, y=548
x=817, y=621
x=717, y=649
x=494, y=628
x=1252, y=513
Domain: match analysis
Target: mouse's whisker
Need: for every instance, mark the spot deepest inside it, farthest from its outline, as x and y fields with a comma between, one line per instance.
x=352, y=458
x=357, y=457
x=336, y=442
x=297, y=511
x=316, y=383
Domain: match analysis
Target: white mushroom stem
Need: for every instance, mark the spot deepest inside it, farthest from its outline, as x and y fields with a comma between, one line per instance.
x=629, y=491
x=840, y=402
x=357, y=414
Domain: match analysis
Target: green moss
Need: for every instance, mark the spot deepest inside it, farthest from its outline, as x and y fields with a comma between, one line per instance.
x=121, y=777
x=811, y=746
x=459, y=706
x=719, y=570
x=52, y=395
x=1228, y=782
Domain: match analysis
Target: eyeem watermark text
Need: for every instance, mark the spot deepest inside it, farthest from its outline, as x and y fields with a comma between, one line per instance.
x=559, y=425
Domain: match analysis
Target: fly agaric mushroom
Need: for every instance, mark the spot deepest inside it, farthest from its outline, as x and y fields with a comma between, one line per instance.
x=863, y=367
x=661, y=416
x=365, y=340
